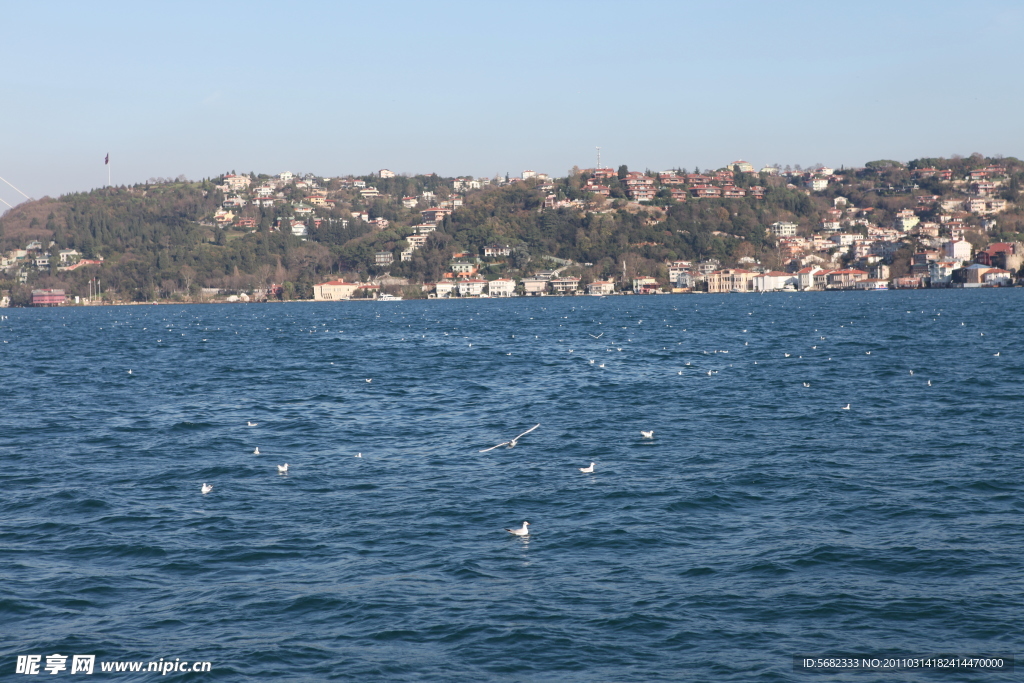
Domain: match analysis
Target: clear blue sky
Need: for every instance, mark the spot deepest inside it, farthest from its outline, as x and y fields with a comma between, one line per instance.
x=486, y=87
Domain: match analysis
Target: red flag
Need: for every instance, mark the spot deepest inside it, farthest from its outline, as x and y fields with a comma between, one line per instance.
x=107, y=159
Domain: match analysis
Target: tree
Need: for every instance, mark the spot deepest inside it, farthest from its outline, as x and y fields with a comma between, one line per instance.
x=623, y=171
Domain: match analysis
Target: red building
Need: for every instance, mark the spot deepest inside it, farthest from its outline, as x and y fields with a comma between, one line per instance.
x=47, y=297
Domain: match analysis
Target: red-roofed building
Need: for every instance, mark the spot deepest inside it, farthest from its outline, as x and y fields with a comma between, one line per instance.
x=639, y=187
x=434, y=214
x=708, y=191
x=846, y=278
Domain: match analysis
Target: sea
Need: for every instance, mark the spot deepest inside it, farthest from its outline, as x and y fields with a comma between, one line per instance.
x=830, y=475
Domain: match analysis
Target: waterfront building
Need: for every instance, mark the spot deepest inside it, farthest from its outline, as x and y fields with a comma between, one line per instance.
x=502, y=287
x=47, y=297
x=335, y=290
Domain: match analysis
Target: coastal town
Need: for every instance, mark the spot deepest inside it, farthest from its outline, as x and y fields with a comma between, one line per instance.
x=926, y=227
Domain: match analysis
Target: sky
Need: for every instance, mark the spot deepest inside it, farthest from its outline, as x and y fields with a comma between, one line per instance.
x=482, y=88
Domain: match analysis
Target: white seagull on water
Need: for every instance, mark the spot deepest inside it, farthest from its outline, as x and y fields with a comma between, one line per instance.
x=846, y=407
x=282, y=469
x=647, y=435
x=587, y=469
x=257, y=451
x=206, y=488
x=251, y=424
x=513, y=442
x=520, y=532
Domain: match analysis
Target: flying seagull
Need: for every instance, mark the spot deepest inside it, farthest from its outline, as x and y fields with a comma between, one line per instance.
x=513, y=442
x=587, y=469
x=519, y=532
x=206, y=488
x=598, y=336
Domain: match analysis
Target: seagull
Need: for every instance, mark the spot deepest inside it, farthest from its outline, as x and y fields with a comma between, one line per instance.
x=129, y=371
x=867, y=353
x=787, y=355
x=846, y=407
x=513, y=442
x=929, y=382
x=369, y=380
x=282, y=469
x=206, y=488
x=807, y=384
x=647, y=435
x=587, y=469
x=359, y=455
x=598, y=336
x=602, y=364
x=911, y=372
x=520, y=532
x=996, y=353
x=257, y=451
x=251, y=424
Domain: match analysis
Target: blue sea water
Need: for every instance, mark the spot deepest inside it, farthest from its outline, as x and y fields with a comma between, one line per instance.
x=762, y=520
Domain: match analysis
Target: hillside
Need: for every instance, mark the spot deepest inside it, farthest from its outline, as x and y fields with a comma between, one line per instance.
x=244, y=233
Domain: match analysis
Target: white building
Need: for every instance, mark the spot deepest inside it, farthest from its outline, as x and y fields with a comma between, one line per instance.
x=535, y=286
x=775, y=281
x=501, y=287
x=805, y=277
x=471, y=287
x=385, y=173
x=601, y=288
x=784, y=229
x=844, y=239
x=958, y=250
x=335, y=290
x=906, y=220
x=565, y=285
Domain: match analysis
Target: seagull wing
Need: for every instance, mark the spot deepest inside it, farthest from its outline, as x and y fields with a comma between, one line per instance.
x=503, y=443
x=525, y=433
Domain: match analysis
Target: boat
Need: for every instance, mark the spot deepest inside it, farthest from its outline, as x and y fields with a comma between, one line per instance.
x=389, y=297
